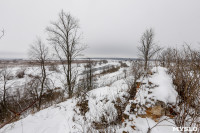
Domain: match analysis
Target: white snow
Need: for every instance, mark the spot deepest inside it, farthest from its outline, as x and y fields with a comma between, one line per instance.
x=55, y=119
x=61, y=118
x=165, y=91
x=156, y=87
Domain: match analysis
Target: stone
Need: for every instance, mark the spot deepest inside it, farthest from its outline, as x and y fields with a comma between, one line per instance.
x=156, y=110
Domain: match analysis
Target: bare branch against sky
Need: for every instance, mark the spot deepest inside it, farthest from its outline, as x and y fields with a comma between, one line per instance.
x=2, y=34
x=110, y=28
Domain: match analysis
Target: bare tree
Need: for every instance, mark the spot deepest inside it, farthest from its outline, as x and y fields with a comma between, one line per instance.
x=5, y=75
x=39, y=52
x=5, y=84
x=148, y=47
x=65, y=37
x=2, y=34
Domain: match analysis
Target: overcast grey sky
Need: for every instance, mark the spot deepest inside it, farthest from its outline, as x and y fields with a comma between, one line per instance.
x=111, y=28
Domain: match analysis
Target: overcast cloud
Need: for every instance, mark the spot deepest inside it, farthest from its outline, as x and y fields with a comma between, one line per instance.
x=111, y=28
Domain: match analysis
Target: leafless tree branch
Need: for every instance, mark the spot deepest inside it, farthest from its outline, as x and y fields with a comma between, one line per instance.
x=65, y=38
x=148, y=47
x=2, y=34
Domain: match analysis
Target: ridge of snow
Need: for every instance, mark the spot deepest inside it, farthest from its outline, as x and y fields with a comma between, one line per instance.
x=165, y=91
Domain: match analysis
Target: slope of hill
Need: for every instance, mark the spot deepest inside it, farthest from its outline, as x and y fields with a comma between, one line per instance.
x=108, y=108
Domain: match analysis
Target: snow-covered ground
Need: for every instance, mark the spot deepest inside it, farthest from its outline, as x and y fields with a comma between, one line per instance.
x=66, y=118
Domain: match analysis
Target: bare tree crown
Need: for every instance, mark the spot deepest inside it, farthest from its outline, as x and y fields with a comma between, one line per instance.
x=64, y=35
x=38, y=51
x=148, y=47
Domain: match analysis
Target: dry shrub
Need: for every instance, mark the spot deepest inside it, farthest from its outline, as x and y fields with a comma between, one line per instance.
x=20, y=73
x=82, y=104
x=15, y=103
x=120, y=107
x=184, y=68
x=53, y=96
x=54, y=68
x=136, y=72
x=122, y=64
x=104, y=61
x=110, y=70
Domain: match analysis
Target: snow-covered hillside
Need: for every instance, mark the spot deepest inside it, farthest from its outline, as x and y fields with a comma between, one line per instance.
x=148, y=110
